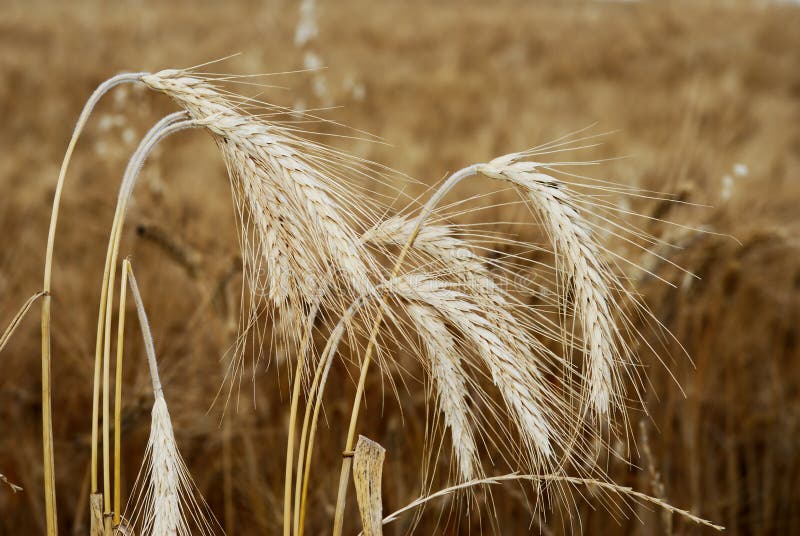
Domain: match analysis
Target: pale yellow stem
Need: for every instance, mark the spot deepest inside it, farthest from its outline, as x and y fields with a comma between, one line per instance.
x=47, y=412
x=168, y=125
x=287, y=488
x=123, y=287
x=318, y=391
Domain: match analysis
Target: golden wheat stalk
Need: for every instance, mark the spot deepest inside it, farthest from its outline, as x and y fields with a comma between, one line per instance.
x=47, y=419
x=169, y=125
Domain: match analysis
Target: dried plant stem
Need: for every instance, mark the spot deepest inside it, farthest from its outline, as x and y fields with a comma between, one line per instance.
x=147, y=336
x=15, y=322
x=287, y=489
x=317, y=390
x=310, y=427
x=346, y=458
x=367, y=475
x=96, y=515
x=312, y=315
x=123, y=287
x=169, y=125
x=622, y=491
x=104, y=291
x=47, y=419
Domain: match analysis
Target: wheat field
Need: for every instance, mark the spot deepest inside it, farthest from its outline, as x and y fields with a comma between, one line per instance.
x=615, y=309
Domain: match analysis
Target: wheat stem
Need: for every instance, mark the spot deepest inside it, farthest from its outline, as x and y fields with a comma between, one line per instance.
x=147, y=335
x=312, y=315
x=168, y=125
x=347, y=461
x=47, y=412
x=318, y=385
x=287, y=489
x=104, y=292
x=123, y=287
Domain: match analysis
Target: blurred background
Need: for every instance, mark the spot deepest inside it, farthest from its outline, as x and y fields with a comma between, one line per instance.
x=700, y=100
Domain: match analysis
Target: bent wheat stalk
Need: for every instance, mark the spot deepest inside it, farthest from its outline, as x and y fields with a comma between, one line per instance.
x=47, y=412
x=621, y=491
x=167, y=126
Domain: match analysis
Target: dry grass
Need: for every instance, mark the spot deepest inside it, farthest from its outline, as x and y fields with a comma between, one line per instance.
x=673, y=115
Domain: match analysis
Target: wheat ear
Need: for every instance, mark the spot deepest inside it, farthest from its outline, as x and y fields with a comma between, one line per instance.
x=583, y=271
x=513, y=372
x=282, y=192
x=265, y=159
x=171, y=500
x=451, y=385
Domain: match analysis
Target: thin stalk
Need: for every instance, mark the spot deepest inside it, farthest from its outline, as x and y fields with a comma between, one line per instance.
x=621, y=491
x=123, y=287
x=17, y=320
x=287, y=487
x=320, y=378
x=169, y=125
x=104, y=291
x=147, y=335
x=47, y=410
x=347, y=459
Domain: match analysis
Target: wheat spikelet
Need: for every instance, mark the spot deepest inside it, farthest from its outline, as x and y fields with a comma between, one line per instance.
x=451, y=385
x=584, y=273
